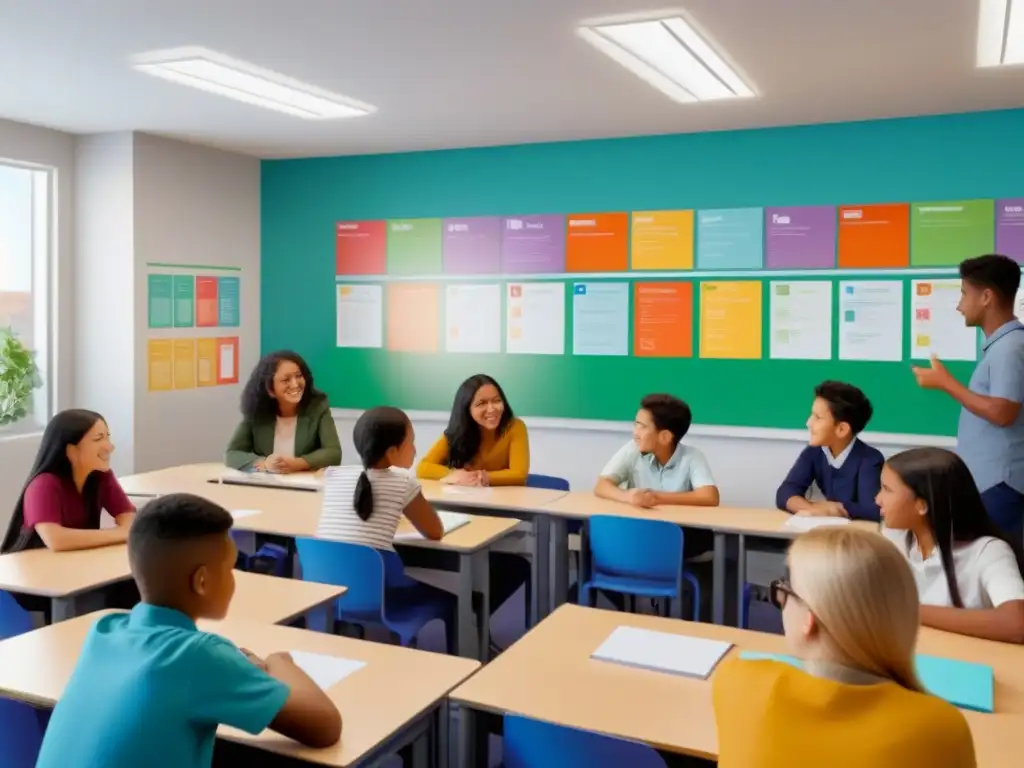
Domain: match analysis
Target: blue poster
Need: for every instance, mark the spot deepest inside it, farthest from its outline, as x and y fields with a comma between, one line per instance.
x=228, y=300
x=600, y=319
x=730, y=238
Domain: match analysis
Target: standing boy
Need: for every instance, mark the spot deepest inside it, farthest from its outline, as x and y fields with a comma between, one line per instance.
x=150, y=688
x=846, y=470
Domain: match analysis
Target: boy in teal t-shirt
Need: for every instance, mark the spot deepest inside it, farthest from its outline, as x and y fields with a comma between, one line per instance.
x=149, y=688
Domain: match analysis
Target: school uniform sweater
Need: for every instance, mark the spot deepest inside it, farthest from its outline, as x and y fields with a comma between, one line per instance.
x=854, y=483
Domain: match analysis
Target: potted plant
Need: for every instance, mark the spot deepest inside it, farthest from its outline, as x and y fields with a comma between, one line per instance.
x=19, y=375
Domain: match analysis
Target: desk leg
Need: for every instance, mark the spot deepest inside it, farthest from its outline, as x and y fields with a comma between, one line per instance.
x=541, y=568
x=472, y=740
x=483, y=619
x=62, y=609
x=464, y=613
x=441, y=757
x=559, y=531
x=741, y=575
x=718, y=579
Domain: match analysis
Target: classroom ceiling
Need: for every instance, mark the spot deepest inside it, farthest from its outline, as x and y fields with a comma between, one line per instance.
x=458, y=73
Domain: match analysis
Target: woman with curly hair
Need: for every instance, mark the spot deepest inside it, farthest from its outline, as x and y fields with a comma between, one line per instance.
x=286, y=422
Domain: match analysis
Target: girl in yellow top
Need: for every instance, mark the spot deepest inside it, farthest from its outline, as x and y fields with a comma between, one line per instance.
x=484, y=444
x=851, y=614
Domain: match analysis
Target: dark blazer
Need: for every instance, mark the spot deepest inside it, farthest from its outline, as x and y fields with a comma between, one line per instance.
x=854, y=485
x=316, y=438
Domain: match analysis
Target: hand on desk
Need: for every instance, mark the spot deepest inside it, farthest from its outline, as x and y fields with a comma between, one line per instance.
x=470, y=477
x=824, y=509
x=283, y=465
x=641, y=497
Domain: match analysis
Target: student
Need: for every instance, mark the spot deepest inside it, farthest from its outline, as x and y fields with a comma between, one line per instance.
x=968, y=571
x=150, y=688
x=850, y=613
x=484, y=444
x=990, y=436
x=286, y=422
x=845, y=469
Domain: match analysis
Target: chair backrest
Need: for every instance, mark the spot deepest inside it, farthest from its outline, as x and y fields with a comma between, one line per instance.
x=21, y=735
x=355, y=566
x=14, y=620
x=548, y=482
x=536, y=744
x=625, y=546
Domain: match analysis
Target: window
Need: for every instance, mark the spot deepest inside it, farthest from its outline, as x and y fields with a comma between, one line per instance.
x=26, y=221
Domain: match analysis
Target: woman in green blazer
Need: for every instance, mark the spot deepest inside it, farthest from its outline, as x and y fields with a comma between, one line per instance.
x=286, y=422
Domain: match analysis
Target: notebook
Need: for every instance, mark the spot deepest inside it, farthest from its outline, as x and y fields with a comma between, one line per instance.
x=962, y=683
x=300, y=481
x=325, y=670
x=806, y=523
x=450, y=521
x=662, y=651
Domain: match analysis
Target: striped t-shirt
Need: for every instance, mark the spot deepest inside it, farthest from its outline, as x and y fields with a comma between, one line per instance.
x=393, y=489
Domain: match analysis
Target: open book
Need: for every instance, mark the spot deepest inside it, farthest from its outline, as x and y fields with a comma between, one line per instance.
x=449, y=520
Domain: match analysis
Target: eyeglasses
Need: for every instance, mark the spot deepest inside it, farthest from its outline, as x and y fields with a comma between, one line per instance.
x=779, y=592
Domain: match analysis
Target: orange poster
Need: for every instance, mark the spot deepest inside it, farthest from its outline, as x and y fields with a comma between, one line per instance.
x=872, y=236
x=662, y=240
x=413, y=317
x=663, y=319
x=597, y=242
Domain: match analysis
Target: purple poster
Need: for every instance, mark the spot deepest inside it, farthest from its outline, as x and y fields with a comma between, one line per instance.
x=532, y=244
x=472, y=246
x=1010, y=228
x=797, y=238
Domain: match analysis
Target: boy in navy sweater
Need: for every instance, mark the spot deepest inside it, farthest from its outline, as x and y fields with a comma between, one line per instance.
x=846, y=470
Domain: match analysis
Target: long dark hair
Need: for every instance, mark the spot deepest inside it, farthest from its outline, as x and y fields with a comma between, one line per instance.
x=257, y=403
x=375, y=432
x=462, y=433
x=66, y=428
x=956, y=513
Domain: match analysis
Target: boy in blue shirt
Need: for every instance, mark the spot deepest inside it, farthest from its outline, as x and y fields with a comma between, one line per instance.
x=149, y=688
x=847, y=470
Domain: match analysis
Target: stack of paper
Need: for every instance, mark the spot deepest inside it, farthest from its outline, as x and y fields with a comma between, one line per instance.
x=805, y=523
x=325, y=670
x=662, y=651
x=303, y=481
x=450, y=521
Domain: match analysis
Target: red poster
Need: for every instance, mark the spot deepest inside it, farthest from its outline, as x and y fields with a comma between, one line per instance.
x=361, y=247
x=206, y=302
x=227, y=360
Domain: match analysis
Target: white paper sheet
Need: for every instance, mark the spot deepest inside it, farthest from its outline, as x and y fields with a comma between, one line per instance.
x=808, y=523
x=325, y=671
x=473, y=318
x=238, y=514
x=801, y=320
x=662, y=651
x=360, y=316
x=450, y=521
x=936, y=327
x=871, y=320
x=227, y=361
x=306, y=481
x=535, y=319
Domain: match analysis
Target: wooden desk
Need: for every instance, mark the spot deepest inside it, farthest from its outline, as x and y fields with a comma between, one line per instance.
x=549, y=675
x=271, y=600
x=397, y=699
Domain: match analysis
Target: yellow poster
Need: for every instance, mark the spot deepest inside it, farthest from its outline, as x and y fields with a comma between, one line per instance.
x=206, y=362
x=730, y=320
x=662, y=240
x=184, y=363
x=161, y=376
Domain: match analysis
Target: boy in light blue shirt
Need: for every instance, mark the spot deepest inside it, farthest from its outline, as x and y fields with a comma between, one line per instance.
x=149, y=688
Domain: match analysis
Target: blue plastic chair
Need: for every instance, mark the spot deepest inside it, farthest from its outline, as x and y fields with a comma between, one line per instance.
x=549, y=482
x=14, y=620
x=21, y=732
x=748, y=596
x=379, y=593
x=535, y=744
x=637, y=557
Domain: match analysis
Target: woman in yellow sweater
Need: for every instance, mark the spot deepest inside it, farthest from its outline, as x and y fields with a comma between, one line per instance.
x=851, y=613
x=484, y=444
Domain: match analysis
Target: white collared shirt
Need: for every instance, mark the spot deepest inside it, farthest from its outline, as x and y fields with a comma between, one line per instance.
x=687, y=470
x=836, y=462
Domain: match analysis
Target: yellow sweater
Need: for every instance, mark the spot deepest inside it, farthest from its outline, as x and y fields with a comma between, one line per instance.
x=505, y=459
x=773, y=715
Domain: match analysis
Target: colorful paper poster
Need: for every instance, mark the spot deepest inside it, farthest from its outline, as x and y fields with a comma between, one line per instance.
x=600, y=319
x=229, y=302
x=535, y=322
x=800, y=320
x=871, y=320
x=597, y=242
x=227, y=360
x=206, y=362
x=360, y=316
x=413, y=313
x=730, y=319
x=472, y=246
x=184, y=300
x=161, y=301
x=414, y=246
x=1010, y=228
x=533, y=245
x=800, y=238
x=473, y=318
x=207, y=310
x=662, y=240
x=936, y=327
x=160, y=362
x=730, y=238
x=360, y=247
x=663, y=319
x=942, y=234
x=184, y=351
x=873, y=236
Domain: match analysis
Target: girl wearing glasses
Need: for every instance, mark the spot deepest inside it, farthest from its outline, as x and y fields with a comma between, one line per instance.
x=968, y=571
x=850, y=612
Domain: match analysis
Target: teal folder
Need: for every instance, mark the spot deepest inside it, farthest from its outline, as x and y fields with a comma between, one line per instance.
x=967, y=685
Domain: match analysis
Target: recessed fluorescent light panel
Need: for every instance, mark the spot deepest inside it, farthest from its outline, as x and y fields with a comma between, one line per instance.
x=1000, y=33
x=670, y=55
x=221, y=75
